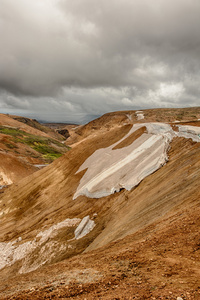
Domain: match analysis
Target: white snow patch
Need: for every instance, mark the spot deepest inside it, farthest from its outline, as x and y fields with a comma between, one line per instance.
x=10, y=252
x=52, y=231
x=110, y=170
x=41, y=166
x=139, y=114
x=84, y=227
x=4, y=179
x=160, y=129
x=46, y=252
x=2, y=186
x=189, y=132
x=129, y=117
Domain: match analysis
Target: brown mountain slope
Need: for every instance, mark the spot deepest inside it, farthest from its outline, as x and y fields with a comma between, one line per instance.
x=24, y=145
x=160, y=215
x=113, y=119
x=161, y=261
x=35, y=124
x=7, y=120
x=12, y=169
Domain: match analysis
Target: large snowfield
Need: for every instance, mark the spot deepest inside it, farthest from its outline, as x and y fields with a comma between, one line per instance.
x=109, y=169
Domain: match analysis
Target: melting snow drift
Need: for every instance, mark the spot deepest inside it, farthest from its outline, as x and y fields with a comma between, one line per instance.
x=139, y=115
x=192, y=132
x=109, y=169
x=84, y=228
x=13, y=251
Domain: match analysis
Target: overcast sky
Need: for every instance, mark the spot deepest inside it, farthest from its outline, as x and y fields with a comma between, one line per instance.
x=73, y=60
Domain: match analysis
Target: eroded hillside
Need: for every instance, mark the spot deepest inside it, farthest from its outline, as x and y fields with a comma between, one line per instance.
x=144, y=240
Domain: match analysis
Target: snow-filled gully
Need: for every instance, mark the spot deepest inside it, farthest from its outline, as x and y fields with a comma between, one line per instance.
x=110, y=170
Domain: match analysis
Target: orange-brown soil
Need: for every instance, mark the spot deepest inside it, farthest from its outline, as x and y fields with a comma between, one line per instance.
x=131, y=138
x=162, y=261
x=145, y=244
x=13, y=169
x=110, y=120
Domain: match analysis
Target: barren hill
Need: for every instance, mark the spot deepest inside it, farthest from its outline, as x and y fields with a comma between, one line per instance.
x=110, y=120
x=116, y=217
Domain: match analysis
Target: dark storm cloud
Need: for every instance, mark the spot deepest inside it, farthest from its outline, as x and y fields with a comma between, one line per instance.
x=93, y=56
x=9, y=101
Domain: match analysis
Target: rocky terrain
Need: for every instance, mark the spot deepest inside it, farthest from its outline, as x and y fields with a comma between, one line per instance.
x=75, y=229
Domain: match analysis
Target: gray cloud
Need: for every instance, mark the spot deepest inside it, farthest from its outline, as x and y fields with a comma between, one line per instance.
x=88, y=57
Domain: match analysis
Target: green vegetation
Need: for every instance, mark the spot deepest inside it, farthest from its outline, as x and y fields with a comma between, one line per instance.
x=35, y=124
x=11, y=131
x=52, y=156
x=49, y=148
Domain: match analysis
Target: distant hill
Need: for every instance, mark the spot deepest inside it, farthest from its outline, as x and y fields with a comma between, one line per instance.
x=110, y=120
x=35, y=124
x=24, y=143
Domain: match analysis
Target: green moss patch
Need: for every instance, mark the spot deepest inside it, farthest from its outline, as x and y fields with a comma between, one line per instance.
x=49, y=148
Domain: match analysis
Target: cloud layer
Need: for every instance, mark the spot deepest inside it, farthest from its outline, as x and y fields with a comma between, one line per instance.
x=72, y=59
